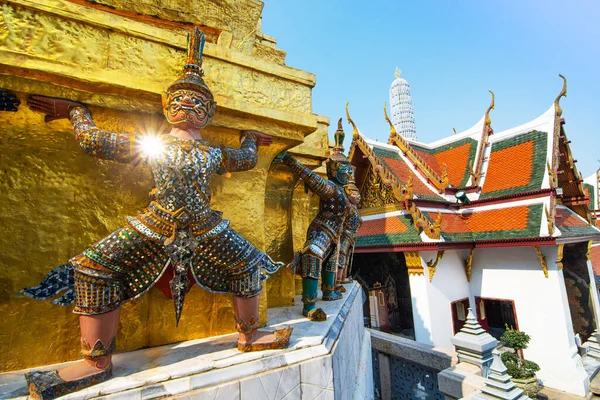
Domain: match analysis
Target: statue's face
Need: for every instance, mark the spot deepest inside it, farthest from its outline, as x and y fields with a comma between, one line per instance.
x=191, y=106
x=340, y=172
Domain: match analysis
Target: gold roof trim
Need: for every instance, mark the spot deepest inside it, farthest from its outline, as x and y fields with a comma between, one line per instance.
x=485, y=134
x=563, y=93
x=403, y=193
x=440, y=183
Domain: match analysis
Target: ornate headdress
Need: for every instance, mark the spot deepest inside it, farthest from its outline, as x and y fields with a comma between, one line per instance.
x=191, y=76
x=337, y=156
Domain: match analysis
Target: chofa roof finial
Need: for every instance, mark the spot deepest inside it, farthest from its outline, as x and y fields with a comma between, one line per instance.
x=563, y=93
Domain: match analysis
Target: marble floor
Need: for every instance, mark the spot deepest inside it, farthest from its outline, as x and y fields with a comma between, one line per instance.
x=180, y=367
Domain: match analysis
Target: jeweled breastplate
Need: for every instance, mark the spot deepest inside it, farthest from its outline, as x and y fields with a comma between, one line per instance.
x=180, y=210
x=182, y=175
x=332, y=213
x=181, y=196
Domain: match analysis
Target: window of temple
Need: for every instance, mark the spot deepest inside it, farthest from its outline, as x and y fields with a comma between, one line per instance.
x=495, y=314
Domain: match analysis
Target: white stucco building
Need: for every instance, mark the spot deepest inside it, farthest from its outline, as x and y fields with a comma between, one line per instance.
x=496, y=222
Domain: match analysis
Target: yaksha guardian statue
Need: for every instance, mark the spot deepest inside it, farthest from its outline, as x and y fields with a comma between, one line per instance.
x=177, y=235
x=330, y=237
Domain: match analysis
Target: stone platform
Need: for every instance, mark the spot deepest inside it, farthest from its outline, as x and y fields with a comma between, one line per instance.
x=325, y=360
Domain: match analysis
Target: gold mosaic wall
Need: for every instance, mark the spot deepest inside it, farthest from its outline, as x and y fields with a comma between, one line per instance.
x=55, y=200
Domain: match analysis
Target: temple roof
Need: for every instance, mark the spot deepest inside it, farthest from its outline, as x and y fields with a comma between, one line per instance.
x=508, y=223
x=572, y=225
x=522, y=185
x=402, y=170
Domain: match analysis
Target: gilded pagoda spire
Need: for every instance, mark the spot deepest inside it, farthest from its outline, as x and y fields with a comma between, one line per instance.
x=403, y=116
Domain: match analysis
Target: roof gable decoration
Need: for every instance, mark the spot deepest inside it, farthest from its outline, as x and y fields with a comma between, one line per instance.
x=557, y=125
x=401, y=192
x=439, y=182
x=553, y=163
x=550, y=214
x=396, y=163
x=483, y=143
x=563, y=173
x=548, y=125
x=457, y=157
x=553, y=166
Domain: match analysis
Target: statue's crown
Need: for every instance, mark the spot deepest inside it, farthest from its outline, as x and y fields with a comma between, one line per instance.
x=191, y=76
x=337, y=154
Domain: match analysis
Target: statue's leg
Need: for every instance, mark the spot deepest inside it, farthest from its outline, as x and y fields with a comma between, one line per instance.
x=247, y=324
x=311, y=268
x=340, y=279
x=98, y=335
x=329, y=285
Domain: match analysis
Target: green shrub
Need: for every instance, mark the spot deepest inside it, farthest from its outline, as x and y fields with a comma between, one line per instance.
x=516, y=339
x=517, y=367
x=511, y=362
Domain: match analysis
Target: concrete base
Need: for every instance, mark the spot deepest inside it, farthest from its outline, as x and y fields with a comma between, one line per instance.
x=460, y=381
x=325, y=360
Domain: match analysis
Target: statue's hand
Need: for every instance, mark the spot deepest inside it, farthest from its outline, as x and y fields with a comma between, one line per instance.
x=262, y=139
x=8, y=101
x=280, y=158
x=53, y=108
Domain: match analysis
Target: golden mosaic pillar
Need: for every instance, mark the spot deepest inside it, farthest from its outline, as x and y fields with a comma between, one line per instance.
x=118, y=56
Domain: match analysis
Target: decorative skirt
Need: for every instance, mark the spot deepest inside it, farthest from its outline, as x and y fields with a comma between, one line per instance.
x=126, y=264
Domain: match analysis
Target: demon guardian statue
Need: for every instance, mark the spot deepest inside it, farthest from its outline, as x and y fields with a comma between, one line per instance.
x=178, y=232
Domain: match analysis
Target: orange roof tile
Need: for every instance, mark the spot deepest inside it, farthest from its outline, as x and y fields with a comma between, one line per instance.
x=457, y=162
x=514, y=218
x=567, y=219
x=456, y=156
x=430, y=159
x=509, y=168
x=517, y=164
x=403, y=172
x=382, y=226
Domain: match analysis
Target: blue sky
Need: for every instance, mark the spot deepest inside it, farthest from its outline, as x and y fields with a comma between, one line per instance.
x=451, y=53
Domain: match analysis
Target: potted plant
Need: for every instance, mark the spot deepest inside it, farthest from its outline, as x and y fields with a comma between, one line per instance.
x=522, y=371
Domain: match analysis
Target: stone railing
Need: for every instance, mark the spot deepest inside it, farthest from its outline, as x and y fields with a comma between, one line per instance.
x=407, y=369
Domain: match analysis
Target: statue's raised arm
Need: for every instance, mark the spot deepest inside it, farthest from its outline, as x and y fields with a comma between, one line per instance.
x=246, y=156
x=331, y=233
x=321, y=187
x=93, y=140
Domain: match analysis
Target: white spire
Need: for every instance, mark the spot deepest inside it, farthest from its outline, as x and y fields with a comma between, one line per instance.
x=403, y=116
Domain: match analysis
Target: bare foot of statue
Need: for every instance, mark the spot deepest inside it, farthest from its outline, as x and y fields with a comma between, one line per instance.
x=84, y=368
x=250, y=338
x=47, y=385
x=99, y=330
x=264, y=340
x=316, y=315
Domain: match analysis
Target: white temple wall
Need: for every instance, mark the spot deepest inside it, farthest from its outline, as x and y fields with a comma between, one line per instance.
x=420, y=308
x=449, y=284
x=542, y=309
